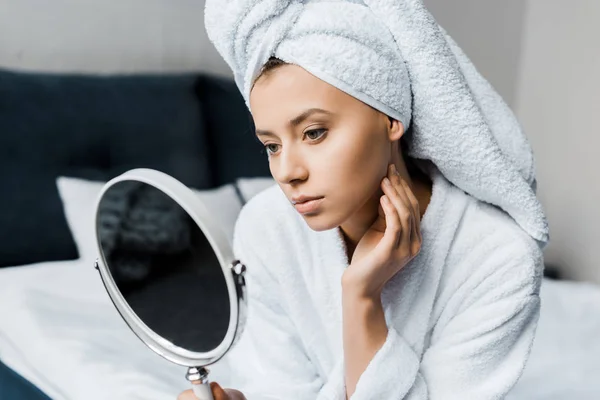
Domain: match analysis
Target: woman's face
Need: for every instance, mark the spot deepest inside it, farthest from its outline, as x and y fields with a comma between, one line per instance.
x=322, y=143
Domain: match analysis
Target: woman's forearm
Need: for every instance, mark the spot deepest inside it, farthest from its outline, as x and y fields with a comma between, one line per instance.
x=365, y=331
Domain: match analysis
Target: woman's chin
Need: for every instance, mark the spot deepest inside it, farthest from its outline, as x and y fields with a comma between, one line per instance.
x=320, y=221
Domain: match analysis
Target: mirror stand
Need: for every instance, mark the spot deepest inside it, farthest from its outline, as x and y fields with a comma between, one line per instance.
x=198, y=377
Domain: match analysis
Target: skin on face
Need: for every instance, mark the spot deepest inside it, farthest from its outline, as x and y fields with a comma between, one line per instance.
x=341, y=154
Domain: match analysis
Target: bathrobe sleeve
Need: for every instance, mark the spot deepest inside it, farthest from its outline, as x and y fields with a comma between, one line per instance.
x=478, y=354
x=269, y=361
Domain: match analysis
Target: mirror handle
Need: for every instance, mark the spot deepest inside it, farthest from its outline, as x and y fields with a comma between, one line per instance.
x=202, y=391
x=198, y=377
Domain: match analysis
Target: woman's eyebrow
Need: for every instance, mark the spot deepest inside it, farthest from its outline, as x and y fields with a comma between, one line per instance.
x=296, y=121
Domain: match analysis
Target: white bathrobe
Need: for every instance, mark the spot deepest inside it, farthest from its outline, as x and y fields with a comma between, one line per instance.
x=461, y=315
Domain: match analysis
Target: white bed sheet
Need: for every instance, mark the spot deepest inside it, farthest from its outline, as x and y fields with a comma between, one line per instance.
x=565, y=359
x=59, y=330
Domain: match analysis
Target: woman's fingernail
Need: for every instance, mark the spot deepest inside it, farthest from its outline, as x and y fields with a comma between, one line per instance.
x=387, y=182
x=394, y=170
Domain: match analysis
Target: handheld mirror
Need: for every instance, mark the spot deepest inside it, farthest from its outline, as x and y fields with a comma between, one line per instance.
x=169, y=269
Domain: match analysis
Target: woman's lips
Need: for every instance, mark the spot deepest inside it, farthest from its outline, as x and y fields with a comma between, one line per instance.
x=308, y=206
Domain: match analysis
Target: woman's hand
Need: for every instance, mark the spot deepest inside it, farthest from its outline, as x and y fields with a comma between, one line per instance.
x=218, y=393
x=390, y=243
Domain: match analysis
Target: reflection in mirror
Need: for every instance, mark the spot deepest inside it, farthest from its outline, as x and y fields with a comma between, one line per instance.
x=163, y=265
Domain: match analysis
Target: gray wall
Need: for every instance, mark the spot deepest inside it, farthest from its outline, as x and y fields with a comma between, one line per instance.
x=106, y=36
x=558, y=101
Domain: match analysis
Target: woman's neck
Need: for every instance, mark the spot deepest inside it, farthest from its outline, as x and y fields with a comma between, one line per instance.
x=356, y=226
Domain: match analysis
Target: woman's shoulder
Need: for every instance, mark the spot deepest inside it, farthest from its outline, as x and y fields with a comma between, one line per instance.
x=487, y=224
x=491, y=260
x=489, y=246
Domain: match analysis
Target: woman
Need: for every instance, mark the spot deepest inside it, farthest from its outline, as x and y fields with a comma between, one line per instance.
x=371, y=275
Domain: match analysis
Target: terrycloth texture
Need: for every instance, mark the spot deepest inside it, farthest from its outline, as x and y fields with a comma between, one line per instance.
x=461, y=316
x=392, y=55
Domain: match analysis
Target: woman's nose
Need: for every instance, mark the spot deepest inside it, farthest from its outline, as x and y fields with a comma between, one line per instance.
x=290, y=167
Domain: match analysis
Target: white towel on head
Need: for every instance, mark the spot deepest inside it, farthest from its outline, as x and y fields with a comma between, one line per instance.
x=393, y=56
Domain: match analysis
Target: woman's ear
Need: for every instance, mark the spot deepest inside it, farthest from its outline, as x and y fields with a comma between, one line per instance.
x=395, y=129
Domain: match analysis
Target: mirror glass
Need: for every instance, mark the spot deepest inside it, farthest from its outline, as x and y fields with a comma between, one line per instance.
x=163, y=265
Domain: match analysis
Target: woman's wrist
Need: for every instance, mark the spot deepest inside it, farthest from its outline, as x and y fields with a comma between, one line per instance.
x=363, y=308
x=354, y=287
x=364, y=332
x=366, y=316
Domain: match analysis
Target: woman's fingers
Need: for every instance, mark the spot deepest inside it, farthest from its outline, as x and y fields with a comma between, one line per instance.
x=416, y=239
x=218, y=392
x=187, y=395
x=398, y=198
x=235, y=394
x=407, y=209
x=393, y=229
x=414, y=204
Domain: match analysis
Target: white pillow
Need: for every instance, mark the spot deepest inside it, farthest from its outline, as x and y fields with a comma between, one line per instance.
x=79, y=197
x=250, y=187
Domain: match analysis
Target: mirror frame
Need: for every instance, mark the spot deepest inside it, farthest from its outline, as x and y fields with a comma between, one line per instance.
x=233, y=272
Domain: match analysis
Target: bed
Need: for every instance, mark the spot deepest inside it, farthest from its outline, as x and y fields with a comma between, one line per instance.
x=60, y=336
x=68, y=340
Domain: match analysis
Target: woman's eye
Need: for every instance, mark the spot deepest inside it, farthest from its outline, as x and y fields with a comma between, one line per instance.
x=271, y=148
x=315, y=133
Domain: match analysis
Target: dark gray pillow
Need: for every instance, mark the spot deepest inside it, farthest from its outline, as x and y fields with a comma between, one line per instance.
x=93, y=127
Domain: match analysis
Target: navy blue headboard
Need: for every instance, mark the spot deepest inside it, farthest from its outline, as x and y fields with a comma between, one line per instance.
x=194, y=127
